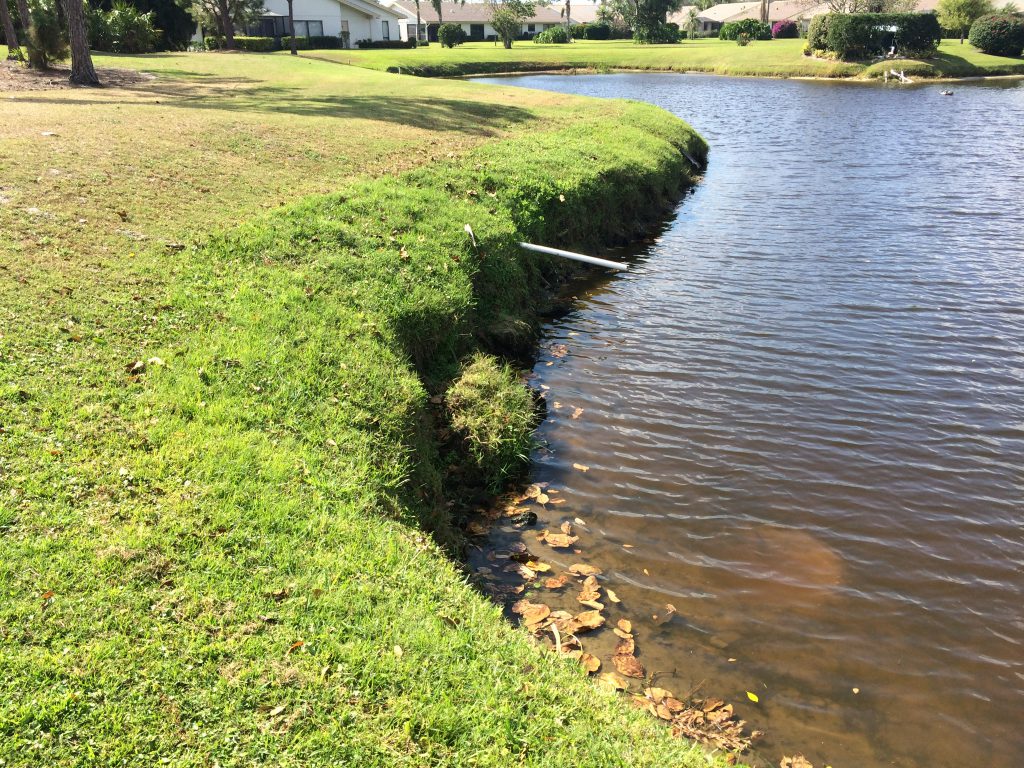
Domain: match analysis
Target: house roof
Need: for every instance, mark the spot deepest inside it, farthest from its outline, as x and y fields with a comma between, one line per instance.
x=680, y=17
x=470, y=13
x=724, y=12
x=583, y=13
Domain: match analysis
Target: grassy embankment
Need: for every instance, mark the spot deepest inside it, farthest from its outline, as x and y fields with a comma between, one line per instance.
x=217, y=557
x=766, y=58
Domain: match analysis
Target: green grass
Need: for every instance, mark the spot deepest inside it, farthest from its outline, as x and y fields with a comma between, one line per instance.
x=766, y=58
x=218, y=557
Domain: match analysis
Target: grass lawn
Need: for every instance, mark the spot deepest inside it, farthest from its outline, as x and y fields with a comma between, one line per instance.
x=770, y=58
x=217, y=450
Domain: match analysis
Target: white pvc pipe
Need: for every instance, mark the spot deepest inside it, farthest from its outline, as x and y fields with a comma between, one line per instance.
x=575, y=256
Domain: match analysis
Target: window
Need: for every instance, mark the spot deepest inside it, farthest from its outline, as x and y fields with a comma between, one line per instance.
x=476, y=31
x=309, y=28
x=384, y=31
x=531, y=27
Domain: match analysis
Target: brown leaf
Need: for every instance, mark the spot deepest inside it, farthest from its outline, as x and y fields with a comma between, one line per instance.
x=542, y=498
x=612, y=596
x=581, y=467
x=577, y=412
x=556, y=582
x=625, y=625
x=665, y=616
x=619, y=633
x=582, y=569
x=47, y=594
x=657, y=695
x=532, y=492
x=626, y=646
x=585, y=621
x=595, y=604
x=628, y=665
x=536, y=613
x=560, y=540
x=566, y=528
x=294, y=647
x=591, y=584
x=797, y=761
x=590, y=662
x=612, y=681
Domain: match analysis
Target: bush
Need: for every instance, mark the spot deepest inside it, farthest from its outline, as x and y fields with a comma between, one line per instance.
x=129, y=30
x=859, y=35
x=255, y=44
x=599, y=31
x=578, y=31
x=390, y=44
x=743, y=39
x=785, y=29
x=46, y=40
x=663, y=33
x=752, y=28
x=450, y=35
x=557, y=34
x=817, y=32
x=999, y=34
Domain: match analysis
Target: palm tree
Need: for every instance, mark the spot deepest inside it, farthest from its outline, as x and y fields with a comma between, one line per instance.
x=568, y=22
x=692, y=22
x=291, y=27
x=82, y=70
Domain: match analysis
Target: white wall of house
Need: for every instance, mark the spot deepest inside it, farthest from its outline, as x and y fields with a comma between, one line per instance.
x=337, y=16
x=489, y=30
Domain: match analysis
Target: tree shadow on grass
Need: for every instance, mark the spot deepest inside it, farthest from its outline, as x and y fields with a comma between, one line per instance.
x=236, y=94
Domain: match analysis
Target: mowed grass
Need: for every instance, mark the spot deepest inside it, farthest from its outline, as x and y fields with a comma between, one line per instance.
x=217, y=556
x=765, y=58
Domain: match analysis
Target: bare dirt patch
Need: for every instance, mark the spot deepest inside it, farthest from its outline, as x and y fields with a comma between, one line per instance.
x=14, y=76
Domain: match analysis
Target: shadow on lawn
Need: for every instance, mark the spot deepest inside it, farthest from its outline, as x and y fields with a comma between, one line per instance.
x=246, y=95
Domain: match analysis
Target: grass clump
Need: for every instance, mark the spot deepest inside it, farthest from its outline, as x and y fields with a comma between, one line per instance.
x=495, y=415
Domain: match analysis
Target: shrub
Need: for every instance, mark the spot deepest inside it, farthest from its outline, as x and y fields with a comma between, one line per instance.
x=817, y=32
x=390, y=44
x=450, y=35
x=255, y=44
x=858, y=35
x=557, y=34
x=785, y=29
x=578, y=31
x=999, y=34
x=663, y=33
x=493, y=412
x=46, y=40
x=130, y=30
x=599, y=31
x=743, y=39
x=752, y=28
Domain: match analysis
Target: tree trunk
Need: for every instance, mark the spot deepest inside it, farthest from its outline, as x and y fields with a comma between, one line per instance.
x=418, y=22
x=227, y=26
x=13, y=48
x=82, y=70
x=568, y=21
x=291, y=26
x=507, y=43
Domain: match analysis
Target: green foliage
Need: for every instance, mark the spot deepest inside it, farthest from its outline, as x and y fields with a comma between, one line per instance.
x=173, y=24
x=647, y=18
x=817, y=32
x=450, y=35
x=493, y=413
x=597, y=31
x=860, y=35
x=999, y=34
x=123, y=29
x=578, y=31
x=958, y=15
x=47, y=41
x=752, y=28
x=207, y=13
x=507, y=17
x=244, y=43
x=557, y=34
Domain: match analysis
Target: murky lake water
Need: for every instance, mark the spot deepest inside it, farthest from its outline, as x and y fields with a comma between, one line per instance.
x=803, y=409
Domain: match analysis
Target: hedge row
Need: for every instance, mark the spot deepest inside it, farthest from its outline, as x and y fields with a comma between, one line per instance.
x=999, y=34
x=861, y=35
x=265, y=44
x=752, y=28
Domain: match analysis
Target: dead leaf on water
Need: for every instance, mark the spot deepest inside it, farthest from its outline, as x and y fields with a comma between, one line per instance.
x=559, y=540
x=577, y=412
x=625, y=625
x=581, y=467
x=753, y=697
x=797, y=761
x=590, y=662
x=665, y=616
x=556, y=582
x=585, y=621
x=628, y=665
x=532, y=492
x=612, y=596
x=626, y=646
x=566, y=528
x=582, y=569
x=542, y=498
x=612, y=681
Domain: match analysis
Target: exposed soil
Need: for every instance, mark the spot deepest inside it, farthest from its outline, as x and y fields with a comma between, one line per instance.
x=15, y=76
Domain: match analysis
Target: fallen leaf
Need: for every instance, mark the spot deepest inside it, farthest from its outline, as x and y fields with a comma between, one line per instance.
x=47, y=594
x=628, y=665
x=619, y=633
x=566, y=528
x=542, y=498
x=625, y=625
x=560, y=540
x=856, y=690
x=294, y=647
x=665, y=616
x=612, y=596
x=398, y=651
x=277, y=711
x=596, y=605
x=556, y=582
x=536, y=613
x=613, y=681
x=577, y=412
x=590, y=662
x=532, y=492
x=582, y=569
x=585, y=621
x=579, y=521
x=753, y=697
x=797, y=761
x=626, y=646
x=581, y=467
x=537, y=566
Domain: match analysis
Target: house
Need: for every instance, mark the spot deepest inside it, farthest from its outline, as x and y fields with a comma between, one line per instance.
x=800, y=11
x=351, y=20
x=583, y=13
x=474, y=18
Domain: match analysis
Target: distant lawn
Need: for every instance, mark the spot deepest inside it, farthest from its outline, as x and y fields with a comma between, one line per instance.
x=768, y=58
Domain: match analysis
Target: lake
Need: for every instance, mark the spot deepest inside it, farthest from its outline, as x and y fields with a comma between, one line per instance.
x=803, y=417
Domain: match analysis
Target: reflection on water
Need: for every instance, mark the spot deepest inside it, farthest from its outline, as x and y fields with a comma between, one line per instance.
x=803, y=414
